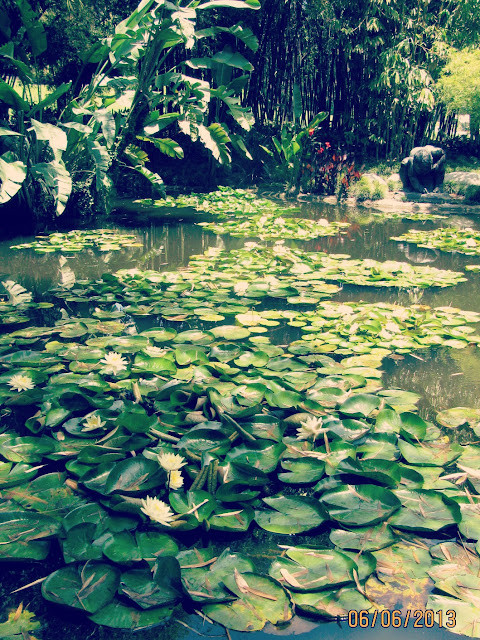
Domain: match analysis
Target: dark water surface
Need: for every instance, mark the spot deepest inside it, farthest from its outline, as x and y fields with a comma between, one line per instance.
x=444, y=377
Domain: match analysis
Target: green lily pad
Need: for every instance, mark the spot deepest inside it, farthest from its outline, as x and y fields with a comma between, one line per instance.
x=88, y=587
x=290, y=515
x=360, y=505
x=313, y=569
x=260, y=600
x=455, y=417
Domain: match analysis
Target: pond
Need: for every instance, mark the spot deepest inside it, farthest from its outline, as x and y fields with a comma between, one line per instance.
x=443, y=377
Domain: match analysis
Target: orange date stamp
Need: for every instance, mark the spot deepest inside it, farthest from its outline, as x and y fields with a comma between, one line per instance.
x=417, y=618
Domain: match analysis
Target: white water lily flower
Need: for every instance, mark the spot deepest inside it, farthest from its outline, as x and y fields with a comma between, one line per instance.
x=175, y=479
x=262, y=220
x=280, y=221
x=310, y=428
x=92, y=422
x=20, y=382
x=114, y=362
x=171, y=461
x=470, y=242
x=158, y=511
x=250, y=245
x=241, y=287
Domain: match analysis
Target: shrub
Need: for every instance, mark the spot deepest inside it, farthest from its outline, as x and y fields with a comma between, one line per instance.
x=393, y=185
x=369, y=189
x=472, y=194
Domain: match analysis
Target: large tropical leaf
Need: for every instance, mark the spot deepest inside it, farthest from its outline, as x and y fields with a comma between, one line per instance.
x=59, y=181
x=34, y=28
x=215, y=138
x=24, y=70
x=244, y=34
x=12, y=175
x=51, y=98
x=166, y=145
x=101, y=159
x=9, y=96
x=56, y=137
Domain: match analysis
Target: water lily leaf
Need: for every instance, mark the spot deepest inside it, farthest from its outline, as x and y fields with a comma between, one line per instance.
x=160, y=335
x=412, y=426
x=283, y=399
x=293, y=514
x=262, y=454
x=163, y=588
x=87, y=587
x=302, y=471
x=399, y=592
x=360, y=505
x=403, y=559
x=379, y=445
x=458, y=616
x=329, y=604
x=425, y=510
x=134, y=475
x=455, y=417
x=153, y=365
x=120, y=547
x=359, y=405
x=252, y=359
x=81, y=544
x=203, y=575
x=387, y=421
x=364, y=538
x=27, y=449
x=12, y=475
x=22, y=535
x=230, y=332
x=182, y=503
x=119, y=616
x=469, y=526
x=135, y=419
x=261, y=600
x=195, y=337
x=431, y=454
x=46, y=494
x=381, y=471
x=203, y=439
x=313, y=569
x=224, y=519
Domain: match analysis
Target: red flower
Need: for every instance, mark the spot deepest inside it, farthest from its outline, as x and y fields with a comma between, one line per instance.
x=328, y=145
x=310, y=132
x=309, y=166
x=321, y=150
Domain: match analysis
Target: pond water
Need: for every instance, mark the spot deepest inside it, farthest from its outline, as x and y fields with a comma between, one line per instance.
x=444, y=377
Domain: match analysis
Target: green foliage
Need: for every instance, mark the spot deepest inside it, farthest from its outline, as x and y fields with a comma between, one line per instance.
x=130, y=98
x=369, y=189
x=19, y=625
x=291, y=145
x=472, y=194
x=458, y=86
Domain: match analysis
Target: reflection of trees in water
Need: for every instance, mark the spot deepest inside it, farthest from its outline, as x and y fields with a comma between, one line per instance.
x=434, y=377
